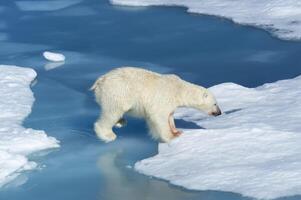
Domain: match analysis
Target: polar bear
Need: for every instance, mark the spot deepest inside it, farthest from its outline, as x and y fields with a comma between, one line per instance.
x=153, y=96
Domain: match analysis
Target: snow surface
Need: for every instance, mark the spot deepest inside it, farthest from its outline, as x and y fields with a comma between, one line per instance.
x=45, y=5
x=252, y=149
x=17, y=142
x=282, y=18
x=54, y=57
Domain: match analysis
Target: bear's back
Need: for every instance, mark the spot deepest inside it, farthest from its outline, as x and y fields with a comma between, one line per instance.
x=132, y=73
x=131, y=76
x=144, y=77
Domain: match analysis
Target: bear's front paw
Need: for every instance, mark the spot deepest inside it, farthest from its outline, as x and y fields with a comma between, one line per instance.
x=176, y=133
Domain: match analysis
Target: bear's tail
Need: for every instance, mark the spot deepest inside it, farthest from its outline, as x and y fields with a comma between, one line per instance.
x=94, y=86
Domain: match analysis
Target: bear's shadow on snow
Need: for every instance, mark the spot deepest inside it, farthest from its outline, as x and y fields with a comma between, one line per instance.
x=232, y=111
x=180, y=123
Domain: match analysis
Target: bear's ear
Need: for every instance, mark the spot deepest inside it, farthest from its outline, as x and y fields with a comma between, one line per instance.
x=205, y=95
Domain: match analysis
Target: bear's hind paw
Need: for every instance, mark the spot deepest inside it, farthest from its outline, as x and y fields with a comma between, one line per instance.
x=109, y=137
x=121, y=123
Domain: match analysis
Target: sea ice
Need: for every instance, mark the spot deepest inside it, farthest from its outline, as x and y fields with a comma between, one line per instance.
x=54, y=57
x=45, y=5
x=282, y=18
x=252, y=149
x=17, y=142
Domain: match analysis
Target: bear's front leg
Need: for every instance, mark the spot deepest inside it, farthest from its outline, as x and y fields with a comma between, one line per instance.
x=172, y=126
x=159, y=126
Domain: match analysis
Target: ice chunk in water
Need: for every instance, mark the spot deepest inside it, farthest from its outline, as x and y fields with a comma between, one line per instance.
x=54, y=57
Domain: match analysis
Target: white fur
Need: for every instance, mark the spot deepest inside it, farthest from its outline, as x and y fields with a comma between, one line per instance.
x=146, y=94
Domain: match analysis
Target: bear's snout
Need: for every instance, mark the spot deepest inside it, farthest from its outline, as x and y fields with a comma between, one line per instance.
x=217, y=112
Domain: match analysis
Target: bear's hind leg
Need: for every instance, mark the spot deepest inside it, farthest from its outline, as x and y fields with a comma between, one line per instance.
x=121, y=123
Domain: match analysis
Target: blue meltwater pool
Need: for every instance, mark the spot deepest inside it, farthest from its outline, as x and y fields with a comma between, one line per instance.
x=96, y=37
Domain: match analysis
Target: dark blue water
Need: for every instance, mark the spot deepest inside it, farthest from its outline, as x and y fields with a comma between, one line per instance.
x=96, y=37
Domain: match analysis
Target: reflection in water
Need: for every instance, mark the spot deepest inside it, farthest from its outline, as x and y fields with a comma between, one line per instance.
x=200, y=49
x=121, y=182
x=18, y=181
x=53, y=65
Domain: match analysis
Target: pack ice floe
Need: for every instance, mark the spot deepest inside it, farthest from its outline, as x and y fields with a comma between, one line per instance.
x=282, y=18
x=16, y=141
x=252, y=149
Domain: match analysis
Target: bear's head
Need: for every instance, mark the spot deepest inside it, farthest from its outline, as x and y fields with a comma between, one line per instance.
x=207, y=102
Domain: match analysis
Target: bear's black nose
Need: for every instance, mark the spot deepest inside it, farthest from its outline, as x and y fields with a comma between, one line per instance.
x=217, y=112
